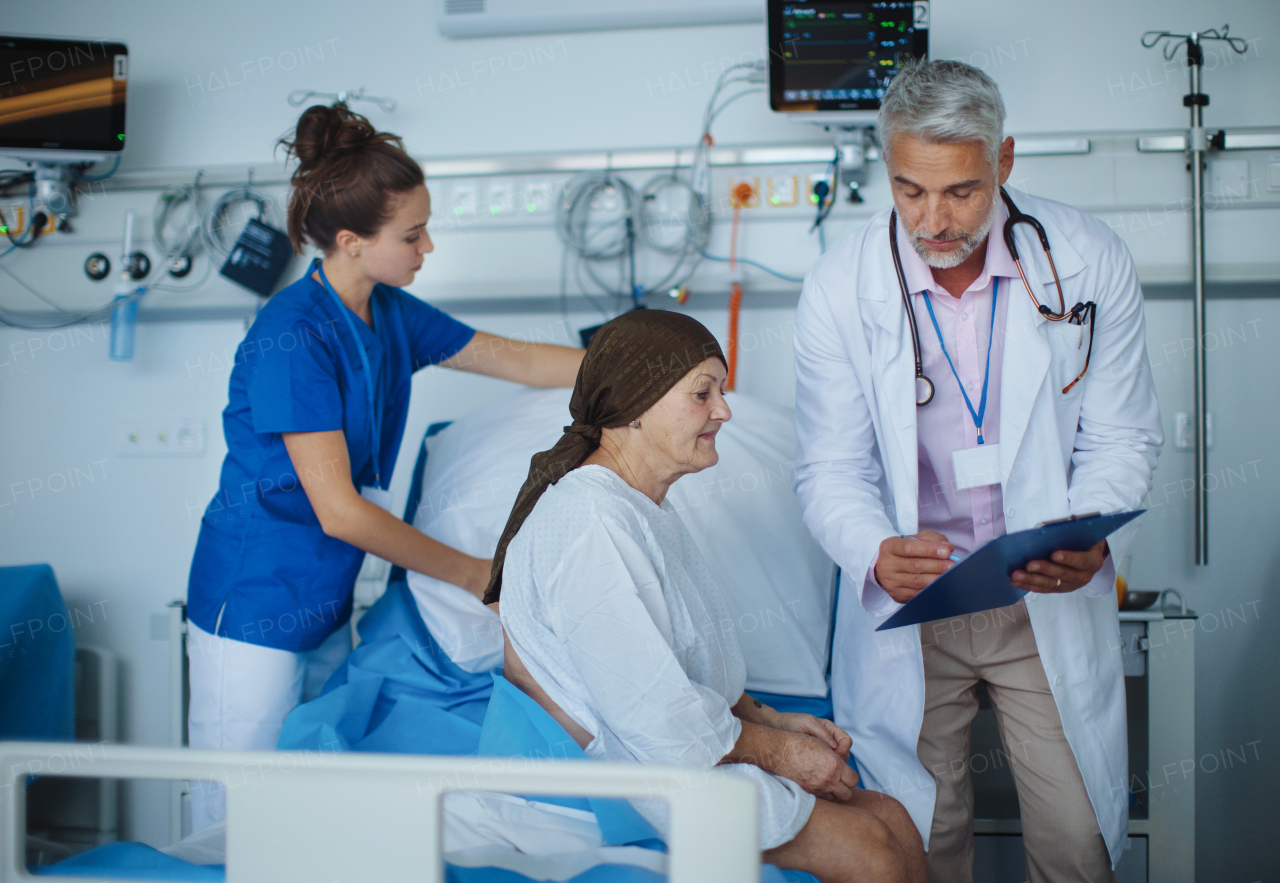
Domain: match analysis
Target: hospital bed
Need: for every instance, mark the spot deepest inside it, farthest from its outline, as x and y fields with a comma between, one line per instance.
x=463, y=484
x=349, y=816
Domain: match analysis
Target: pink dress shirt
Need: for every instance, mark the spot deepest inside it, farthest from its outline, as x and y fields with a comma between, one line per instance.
x=967, y=518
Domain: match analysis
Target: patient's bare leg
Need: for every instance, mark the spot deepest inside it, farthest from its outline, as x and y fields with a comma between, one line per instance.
x=852, y=844
x=888, y=810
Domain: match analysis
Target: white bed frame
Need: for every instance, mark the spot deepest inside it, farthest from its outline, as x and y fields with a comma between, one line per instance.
x=293, y=817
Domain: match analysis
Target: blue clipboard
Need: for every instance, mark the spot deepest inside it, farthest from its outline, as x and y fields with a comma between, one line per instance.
x=981, y=581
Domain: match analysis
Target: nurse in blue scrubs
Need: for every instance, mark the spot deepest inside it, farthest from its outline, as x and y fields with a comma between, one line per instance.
x=318, y=400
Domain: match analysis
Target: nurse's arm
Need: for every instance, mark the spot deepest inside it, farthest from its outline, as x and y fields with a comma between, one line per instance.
x=533, y=364
x=323, y=466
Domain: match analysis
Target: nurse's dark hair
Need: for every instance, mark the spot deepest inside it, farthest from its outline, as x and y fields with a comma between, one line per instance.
x=348, y=174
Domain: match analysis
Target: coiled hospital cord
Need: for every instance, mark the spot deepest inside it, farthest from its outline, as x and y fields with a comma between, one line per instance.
x=597, y=242
x=168, y=206
x=216, y=220
x=580, y=229
x=693, y=221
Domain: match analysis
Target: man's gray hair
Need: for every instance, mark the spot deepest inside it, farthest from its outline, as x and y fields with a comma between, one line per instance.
x=942, y=102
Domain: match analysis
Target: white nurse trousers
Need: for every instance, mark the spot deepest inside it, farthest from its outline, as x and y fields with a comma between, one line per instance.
x=240, y=695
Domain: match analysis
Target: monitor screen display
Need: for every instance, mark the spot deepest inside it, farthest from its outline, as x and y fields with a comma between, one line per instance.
x=840, y=56
x=62, y=94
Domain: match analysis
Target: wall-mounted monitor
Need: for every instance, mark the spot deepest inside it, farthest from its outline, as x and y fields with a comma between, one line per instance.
x=62, y=100
x=832, y=61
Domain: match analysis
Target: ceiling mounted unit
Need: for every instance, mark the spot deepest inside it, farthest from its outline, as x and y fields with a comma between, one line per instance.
x=462, y=19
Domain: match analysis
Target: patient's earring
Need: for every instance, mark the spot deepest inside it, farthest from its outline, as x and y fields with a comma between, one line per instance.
x=635, y=424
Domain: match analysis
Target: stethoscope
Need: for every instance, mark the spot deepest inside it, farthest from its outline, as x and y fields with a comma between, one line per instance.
x=375, y=425
x=1079, y=314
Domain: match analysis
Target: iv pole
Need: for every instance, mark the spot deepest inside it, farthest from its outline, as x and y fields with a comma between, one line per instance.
x=1198, y=144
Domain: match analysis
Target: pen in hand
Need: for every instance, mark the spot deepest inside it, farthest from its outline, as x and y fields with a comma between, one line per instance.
x=954, y=556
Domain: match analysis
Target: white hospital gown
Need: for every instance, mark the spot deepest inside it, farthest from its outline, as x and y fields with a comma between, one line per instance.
x=609, y=604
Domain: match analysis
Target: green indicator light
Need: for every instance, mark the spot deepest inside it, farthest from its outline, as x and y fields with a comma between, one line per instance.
x=4, y=229
x=121, y=136
x=457, y=210
x=493, y=209
x=531, y=207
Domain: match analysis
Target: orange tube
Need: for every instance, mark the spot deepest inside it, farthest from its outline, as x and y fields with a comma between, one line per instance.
x=735, y=303
x=742, y=194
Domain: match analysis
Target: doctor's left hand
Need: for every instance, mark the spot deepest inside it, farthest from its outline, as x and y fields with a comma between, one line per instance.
x=1067, y=571
x=820, y=728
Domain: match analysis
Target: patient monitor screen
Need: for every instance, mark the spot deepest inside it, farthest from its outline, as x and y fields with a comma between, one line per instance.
x=62, y=94
x=841, y=56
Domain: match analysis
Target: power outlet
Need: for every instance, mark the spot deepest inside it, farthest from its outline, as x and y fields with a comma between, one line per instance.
x=463, y=199
x=783, y=190
x=1184, y=431
x=811, y=180
x=744, y=197
x=502, y=195
x=13, y=218
x=175, y=437
x=538, y=197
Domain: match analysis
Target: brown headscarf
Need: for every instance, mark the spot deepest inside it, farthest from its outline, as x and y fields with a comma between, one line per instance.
x=631, y=363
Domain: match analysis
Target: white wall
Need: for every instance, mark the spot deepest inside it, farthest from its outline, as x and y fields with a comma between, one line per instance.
x=123, y=541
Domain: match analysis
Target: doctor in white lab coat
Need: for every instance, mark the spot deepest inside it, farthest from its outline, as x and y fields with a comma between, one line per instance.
x=874, y=468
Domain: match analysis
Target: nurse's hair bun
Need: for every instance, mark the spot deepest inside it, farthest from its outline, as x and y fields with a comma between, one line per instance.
x=348, y=172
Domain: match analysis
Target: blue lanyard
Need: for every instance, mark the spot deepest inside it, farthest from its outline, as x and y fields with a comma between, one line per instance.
x=374, y=423
x=982, y=403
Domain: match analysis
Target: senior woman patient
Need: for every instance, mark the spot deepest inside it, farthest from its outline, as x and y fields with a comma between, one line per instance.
x=611, y=613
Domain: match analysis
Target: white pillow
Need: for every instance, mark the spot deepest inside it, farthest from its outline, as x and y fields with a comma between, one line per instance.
x=741, y=512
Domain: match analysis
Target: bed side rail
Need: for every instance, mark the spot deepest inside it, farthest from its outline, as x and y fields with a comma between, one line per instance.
x=297, y=816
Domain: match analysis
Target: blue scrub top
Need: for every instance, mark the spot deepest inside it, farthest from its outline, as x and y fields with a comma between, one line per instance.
x=261, y=559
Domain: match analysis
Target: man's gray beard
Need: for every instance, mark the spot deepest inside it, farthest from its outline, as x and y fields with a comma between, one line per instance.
x=948, y=259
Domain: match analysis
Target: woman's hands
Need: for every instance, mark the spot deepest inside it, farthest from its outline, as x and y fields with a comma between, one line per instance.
x=819, y=728
x=815, y=767
x=808, y=750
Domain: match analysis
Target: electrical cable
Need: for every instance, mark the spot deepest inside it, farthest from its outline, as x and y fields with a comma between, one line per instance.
x=700, y=174
x=756, y=264
x=678, y=227
x=35, y=227
x=168, y=286
x=91, y=178
x=577, y=224
x=7, y=317
x=826, y=200
x=216, y=220
x=719, y=110
x=168, y=204
x=601, y=219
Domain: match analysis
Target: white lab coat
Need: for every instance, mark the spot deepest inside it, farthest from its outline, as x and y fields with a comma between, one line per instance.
x=1092, y=449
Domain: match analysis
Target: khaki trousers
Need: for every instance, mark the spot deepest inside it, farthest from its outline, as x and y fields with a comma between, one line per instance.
x=1060, y=830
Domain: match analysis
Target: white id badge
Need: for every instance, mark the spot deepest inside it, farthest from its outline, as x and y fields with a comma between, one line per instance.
x=976, y=466
x=377, y=496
